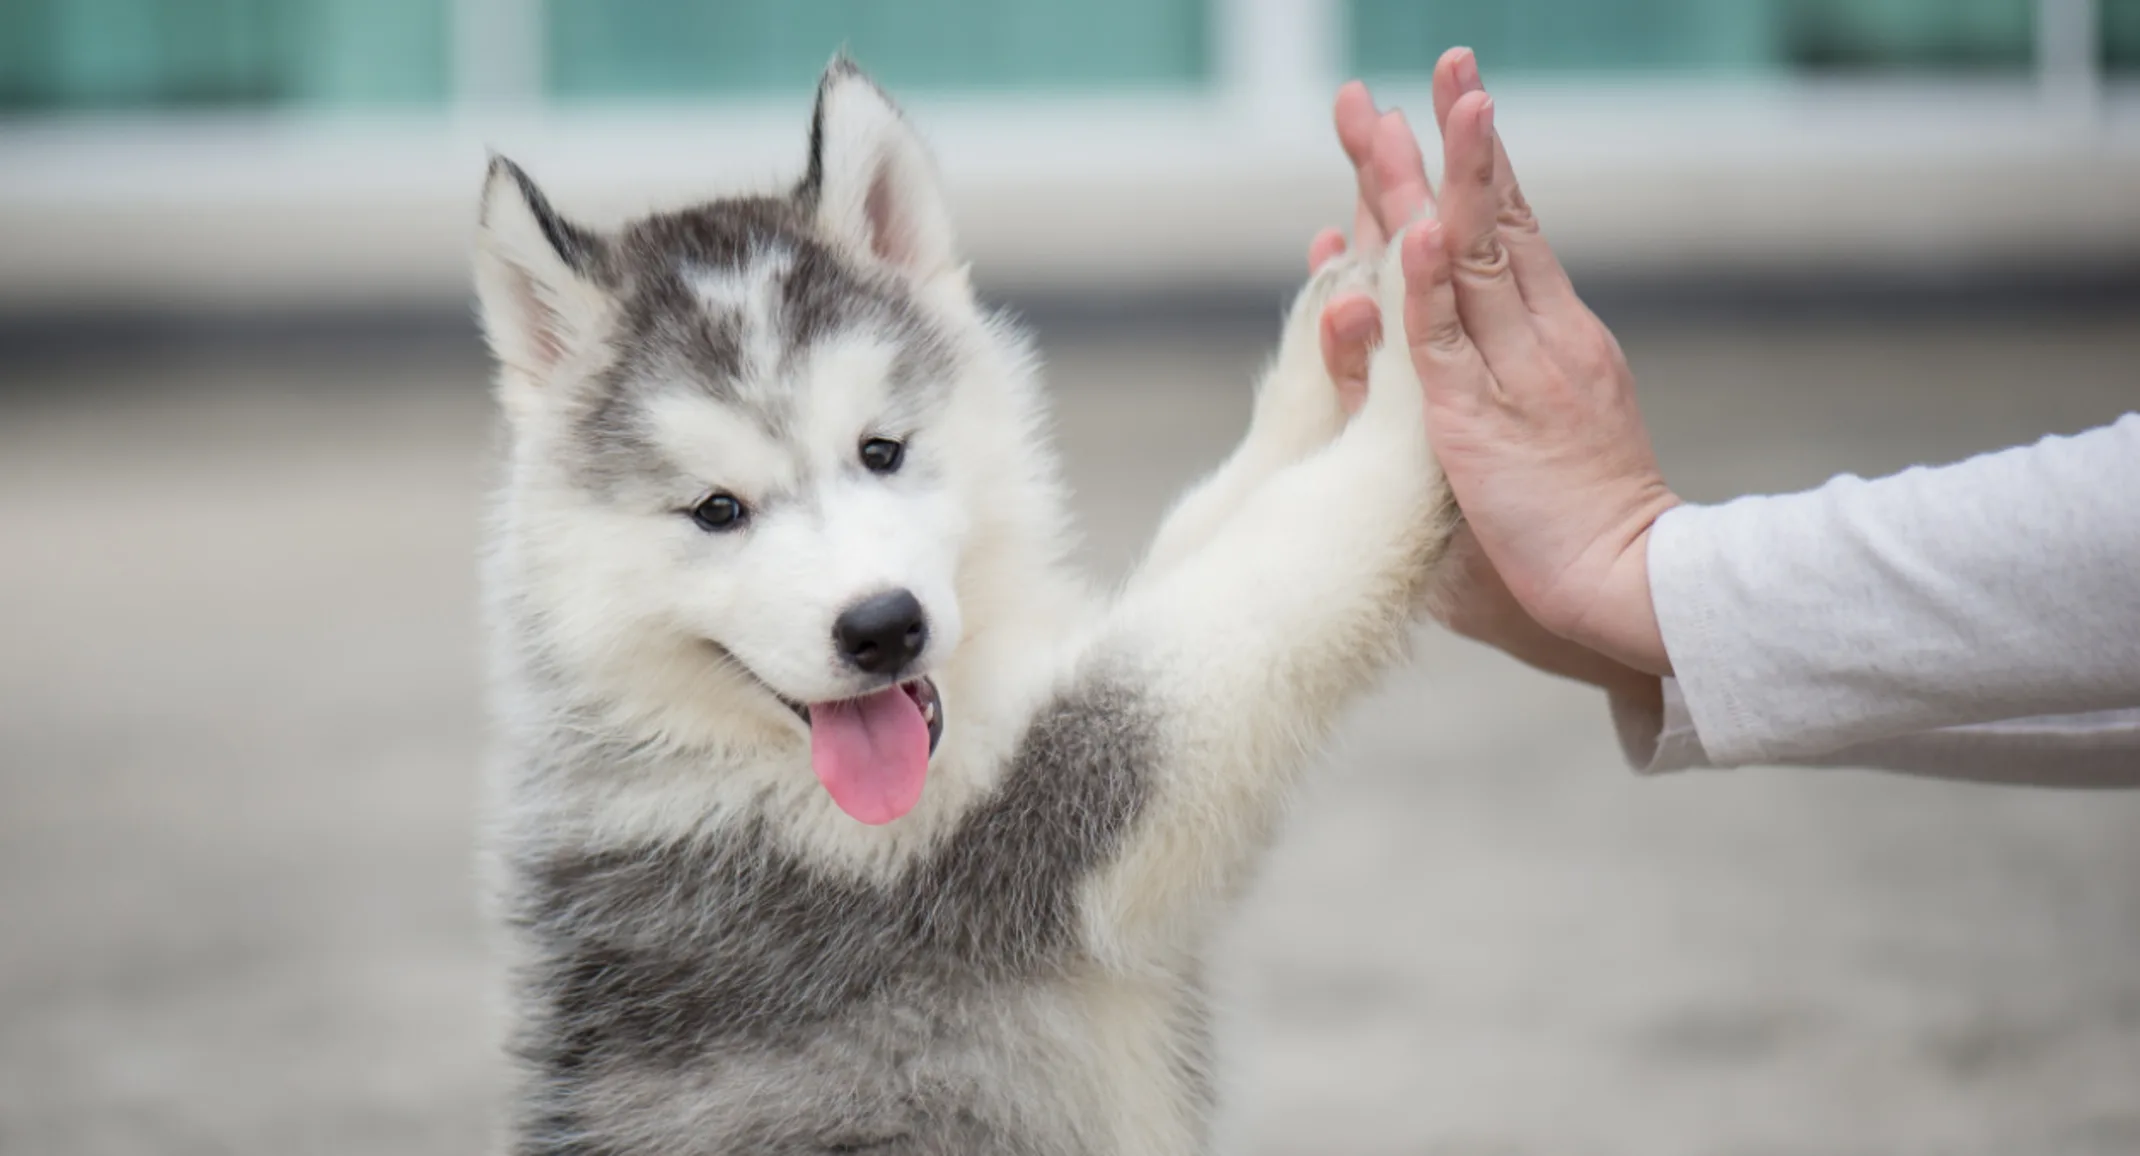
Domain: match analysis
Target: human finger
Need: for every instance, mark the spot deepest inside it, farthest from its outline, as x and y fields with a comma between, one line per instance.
x=1488, y=298
x=1539, y=275
x=1450, y=368
x=1455, y=74
x=1356, y=117
x=1400, y=190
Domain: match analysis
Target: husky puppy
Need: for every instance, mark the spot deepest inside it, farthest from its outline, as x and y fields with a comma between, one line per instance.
x=834, y=812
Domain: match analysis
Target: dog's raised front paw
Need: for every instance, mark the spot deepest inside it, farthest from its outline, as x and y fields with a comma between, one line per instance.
x=1298, y=403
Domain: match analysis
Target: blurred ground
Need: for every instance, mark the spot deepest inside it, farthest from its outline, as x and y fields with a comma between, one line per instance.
x=240, y=712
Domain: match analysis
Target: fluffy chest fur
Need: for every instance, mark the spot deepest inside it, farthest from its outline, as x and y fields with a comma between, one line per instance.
x=726, y=992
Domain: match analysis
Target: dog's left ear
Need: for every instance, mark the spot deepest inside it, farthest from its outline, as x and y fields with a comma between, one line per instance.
x=870, y=181
x=534, y=277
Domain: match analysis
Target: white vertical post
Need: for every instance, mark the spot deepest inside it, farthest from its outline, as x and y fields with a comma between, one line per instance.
x=1278, y=60
x=497, y=55
x=2069, y=69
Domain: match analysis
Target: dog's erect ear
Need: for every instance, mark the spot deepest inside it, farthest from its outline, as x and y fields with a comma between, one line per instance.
x=533, y=275
x=870, y=180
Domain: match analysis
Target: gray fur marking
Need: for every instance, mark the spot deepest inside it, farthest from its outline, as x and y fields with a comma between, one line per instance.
x=854, y=1008
x=668, y=337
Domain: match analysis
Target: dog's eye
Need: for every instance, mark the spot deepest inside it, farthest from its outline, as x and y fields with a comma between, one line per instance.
x=717, y=513
x=882, y=455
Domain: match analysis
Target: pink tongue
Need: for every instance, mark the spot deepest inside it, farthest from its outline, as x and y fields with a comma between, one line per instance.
x=871, y=753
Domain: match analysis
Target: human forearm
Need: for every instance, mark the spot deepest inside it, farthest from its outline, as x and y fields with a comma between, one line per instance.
x=2000, y=587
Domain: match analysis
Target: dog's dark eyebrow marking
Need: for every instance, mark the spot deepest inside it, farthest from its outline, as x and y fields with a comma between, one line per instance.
x=714, y=345
x=669, y=335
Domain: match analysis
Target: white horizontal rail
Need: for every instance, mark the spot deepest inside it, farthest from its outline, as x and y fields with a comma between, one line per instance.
x=1079, y=193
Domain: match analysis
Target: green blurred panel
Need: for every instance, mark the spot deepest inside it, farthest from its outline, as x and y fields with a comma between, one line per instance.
x=1912, y=35
x=372, y=51
x=1407, y=36
x=2121, y=36
x=27, y=70
x=622, y=48
x=142, y=52
x=1697, y=36
x=59, y=54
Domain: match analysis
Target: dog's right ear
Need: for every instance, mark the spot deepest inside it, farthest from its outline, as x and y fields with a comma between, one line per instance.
x=870, y=183
x=534, y=277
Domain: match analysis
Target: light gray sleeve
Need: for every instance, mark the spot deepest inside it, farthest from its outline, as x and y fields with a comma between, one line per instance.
x=2003, y=587
x=2099, y=749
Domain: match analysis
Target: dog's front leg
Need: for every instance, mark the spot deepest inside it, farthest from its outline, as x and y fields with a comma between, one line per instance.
x=1253, y=644
x=1296, y=412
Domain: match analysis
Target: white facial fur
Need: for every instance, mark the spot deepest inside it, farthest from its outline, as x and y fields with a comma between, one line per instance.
x=634, y=589
x=823, y=533
x=650, y=622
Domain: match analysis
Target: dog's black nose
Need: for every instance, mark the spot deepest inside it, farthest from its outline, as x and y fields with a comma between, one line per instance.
x=882, y=633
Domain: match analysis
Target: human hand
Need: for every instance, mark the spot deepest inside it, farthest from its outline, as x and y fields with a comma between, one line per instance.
x=1530, y=402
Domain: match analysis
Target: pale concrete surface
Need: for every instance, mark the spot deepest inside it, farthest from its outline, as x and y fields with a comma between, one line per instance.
x=240, y=712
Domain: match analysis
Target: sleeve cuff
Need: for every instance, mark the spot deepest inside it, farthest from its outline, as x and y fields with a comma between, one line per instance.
x=1658, y=737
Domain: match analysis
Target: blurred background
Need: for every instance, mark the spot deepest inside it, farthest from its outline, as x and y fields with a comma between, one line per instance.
x=244, y=439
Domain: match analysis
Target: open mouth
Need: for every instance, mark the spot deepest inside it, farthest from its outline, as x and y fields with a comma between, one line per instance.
x=872, y=753
x=921, y=690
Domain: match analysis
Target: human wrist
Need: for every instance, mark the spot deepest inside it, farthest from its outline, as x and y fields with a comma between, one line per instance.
x=1530, y=643
x=1633, y=635
x=1619, y=621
